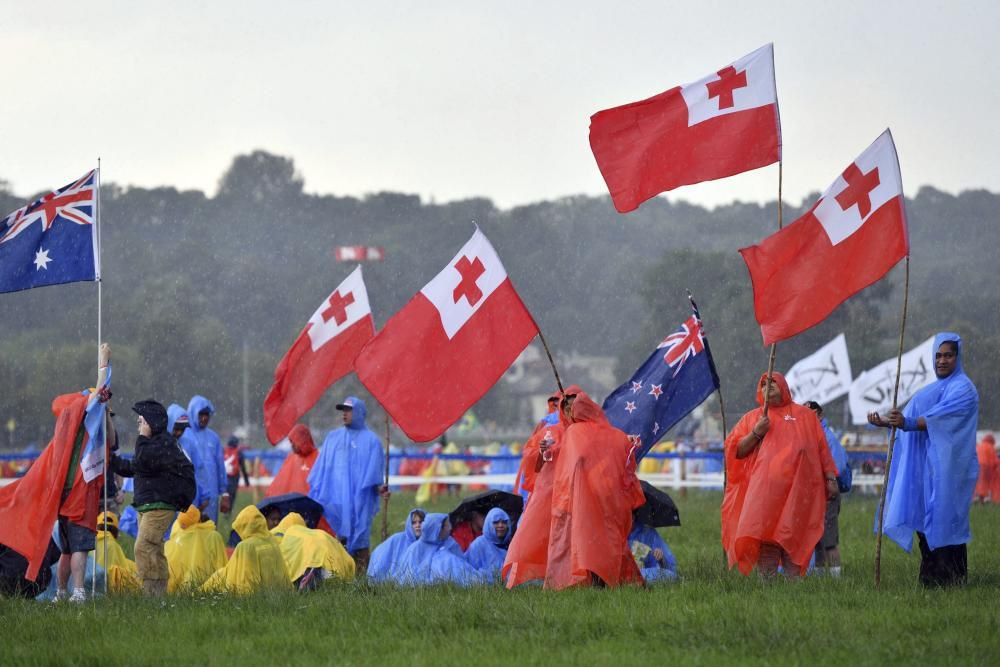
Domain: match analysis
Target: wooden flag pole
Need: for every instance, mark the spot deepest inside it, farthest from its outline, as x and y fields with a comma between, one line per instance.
x=385, y=498
x=552, y=362
x=892, y=431
x=774, y=346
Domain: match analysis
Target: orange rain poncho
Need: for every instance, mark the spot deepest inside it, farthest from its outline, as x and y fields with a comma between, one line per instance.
x=777, y=494
x=293, y=477
x=987, y=484
x=194, y=551
x=594, y=491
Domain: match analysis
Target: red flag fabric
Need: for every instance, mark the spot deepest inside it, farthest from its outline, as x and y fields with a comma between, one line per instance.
x=322, y=354
x=448, y=345
x=29, y=506
x=851, y=237
x=718, y=126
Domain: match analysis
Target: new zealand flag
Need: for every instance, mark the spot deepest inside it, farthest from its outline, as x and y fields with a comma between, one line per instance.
x=52, y=240
x=672, y=382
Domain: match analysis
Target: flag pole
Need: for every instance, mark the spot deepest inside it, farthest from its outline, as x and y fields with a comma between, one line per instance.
x=385, y=498
x=774, y=346
x=104, y=430
x=548, y=353
x=892, y=431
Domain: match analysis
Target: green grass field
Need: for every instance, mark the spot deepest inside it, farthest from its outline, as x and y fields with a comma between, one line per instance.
x=710, y=617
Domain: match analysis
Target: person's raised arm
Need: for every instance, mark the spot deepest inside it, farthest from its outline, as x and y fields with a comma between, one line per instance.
x=103, y=361
x=752, y=440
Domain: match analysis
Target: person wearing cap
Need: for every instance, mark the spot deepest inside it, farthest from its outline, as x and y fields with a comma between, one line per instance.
x=348, y=479
x=828, y=549
x=205, y=451
x=123, y=577
x=164, y=484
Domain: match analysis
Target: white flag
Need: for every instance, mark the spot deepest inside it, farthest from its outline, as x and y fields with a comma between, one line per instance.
x=872, y=390
x=822, y=376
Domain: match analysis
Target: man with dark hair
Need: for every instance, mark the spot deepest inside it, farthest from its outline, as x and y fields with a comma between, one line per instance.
x=828, y=549
x=934, y=468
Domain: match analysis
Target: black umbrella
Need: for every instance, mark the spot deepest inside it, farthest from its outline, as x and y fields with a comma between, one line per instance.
x=310, y=510
x=659, y=510
x=511, y=503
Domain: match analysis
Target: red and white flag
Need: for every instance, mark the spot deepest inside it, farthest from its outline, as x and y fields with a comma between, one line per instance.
x=449, y=345
x=322, y=354
x=849, y=239
x=718, y=126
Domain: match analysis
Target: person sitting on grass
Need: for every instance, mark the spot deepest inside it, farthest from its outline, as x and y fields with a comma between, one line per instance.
x=488, y=551
x=311, y=555
x=123, y=577
x=194, y=552
x=651, y=553
x=386, y=556
x=431, y=560
x=256, y=564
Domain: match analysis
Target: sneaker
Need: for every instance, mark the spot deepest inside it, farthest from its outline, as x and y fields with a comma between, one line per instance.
x=61, y=595
x=79, y=595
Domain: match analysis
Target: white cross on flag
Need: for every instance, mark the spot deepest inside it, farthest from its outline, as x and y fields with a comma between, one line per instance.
x=323, y=353
x=449, y=345
x=848, y=240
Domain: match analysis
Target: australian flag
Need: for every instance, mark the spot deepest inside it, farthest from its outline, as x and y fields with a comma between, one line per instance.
x=52, y=240
x=672, y=382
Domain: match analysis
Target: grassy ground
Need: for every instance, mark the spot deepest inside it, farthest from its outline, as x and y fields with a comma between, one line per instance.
x=711, y=617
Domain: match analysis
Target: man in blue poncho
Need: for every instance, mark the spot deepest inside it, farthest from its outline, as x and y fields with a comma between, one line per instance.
x=386, y=556
x=347, y=479
x=828, y=549
x=934, y=468
x=432, y=559
x=204, y=449
x=488, y=551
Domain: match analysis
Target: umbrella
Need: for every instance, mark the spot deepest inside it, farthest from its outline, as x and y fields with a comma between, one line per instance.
x=483, y=502
x=287, y=503
x=659, y=509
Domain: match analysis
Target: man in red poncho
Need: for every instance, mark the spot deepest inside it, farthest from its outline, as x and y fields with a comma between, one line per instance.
x=293, y=477
x=780, y=475
x=594, y=491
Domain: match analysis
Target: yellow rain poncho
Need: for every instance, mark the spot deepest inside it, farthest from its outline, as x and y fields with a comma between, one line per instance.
x=194, y=552
x=256, y=564
x=122, y=574
x=303, y=548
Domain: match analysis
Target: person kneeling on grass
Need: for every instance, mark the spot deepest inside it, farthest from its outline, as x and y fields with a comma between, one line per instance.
x=488, y=551
x=431, y=559
x=256, y=564
x=311, y=555
x=194, y=551
x=385, y=558
x=651, y=553
x=164, y=484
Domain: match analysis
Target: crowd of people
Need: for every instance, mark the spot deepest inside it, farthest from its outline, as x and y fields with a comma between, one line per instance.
x=785, y=472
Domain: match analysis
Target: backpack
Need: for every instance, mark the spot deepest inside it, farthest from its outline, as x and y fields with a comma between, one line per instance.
x=845, y=479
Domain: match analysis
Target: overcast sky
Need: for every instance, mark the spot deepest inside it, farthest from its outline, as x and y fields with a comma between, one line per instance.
x=459, y=99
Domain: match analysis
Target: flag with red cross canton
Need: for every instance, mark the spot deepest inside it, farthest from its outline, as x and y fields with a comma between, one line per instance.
x=676, y=378
x=323, y=353
x=720, y=125
x=850, y=238
x=449, y=345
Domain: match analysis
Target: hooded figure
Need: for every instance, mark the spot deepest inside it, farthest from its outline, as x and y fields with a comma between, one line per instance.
x=347, y=476
x=256, y=564
x=431, y=560
x=386, y=556
x=488, y=551
x=195, y=551
x=594, y=492
x=305, y=549
x=934, y=469
x=986, y=485
x=776, y=495
x=123, y=577
x=293, y=477
x=204, y=448
x=528, y=553
x=643, y=542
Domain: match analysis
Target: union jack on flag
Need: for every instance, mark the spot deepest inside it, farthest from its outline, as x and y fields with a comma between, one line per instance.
x=667, y=386
x=52, y=240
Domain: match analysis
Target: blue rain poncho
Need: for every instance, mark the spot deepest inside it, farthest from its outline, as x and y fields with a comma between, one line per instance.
x=487, y=552
x=386, y=556
x=431, y=560
x=205, y=451
x=837, y=450
x=643, y=540
x=934, y=472
x=346, y=478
